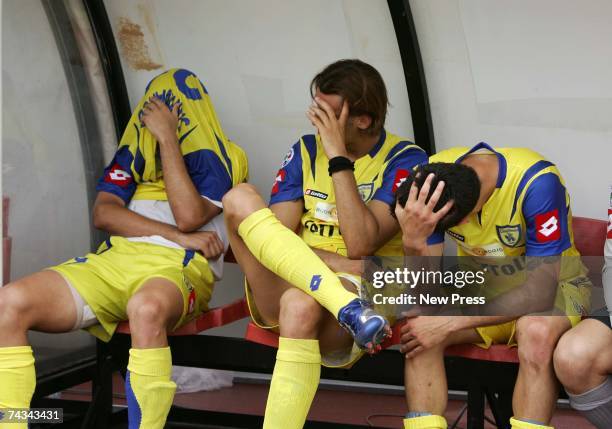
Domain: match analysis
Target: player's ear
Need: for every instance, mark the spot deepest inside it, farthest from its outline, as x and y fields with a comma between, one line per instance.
x=362, y=122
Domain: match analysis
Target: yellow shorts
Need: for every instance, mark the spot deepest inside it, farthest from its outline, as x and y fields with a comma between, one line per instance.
x=107, y=279
x=337, y=359
x=574, y=298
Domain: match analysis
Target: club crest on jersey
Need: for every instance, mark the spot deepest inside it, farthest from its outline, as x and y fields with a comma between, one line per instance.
x=280, y=176
x=547, y=226
x=288, y=158
x=316, y=194
x=365, y=191
x=400, y=177
x=510, y=235
x=117, y=176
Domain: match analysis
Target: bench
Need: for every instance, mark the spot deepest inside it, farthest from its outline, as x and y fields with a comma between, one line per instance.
x=476, y=370
x=482, y=373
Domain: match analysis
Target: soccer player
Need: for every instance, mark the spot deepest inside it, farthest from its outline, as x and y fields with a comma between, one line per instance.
x=329, y=201
x=159, y=198
x=583, y=358
x=498, y=203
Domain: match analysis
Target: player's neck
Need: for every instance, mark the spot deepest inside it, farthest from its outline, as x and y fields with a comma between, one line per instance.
x=361, y=145
x=487, y=169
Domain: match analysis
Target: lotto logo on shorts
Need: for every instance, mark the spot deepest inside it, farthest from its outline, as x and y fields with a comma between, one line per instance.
x=315, y=282
x=280, y=176
x=117, y=176
x=400, y=177
x=547, y=226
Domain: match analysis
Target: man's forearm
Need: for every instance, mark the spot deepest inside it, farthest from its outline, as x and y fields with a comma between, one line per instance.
x=536, y=295
x=117, y=220
x=189, y=208
x=359, y=227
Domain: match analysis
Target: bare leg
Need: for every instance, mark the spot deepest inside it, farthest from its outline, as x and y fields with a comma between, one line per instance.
x=583, y=357
x=153, y=311
x=41, y=301
x=536, y=389
x=266, y=286
x=425, y=377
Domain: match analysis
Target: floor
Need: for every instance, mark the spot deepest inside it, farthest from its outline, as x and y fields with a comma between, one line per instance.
x=378, y=410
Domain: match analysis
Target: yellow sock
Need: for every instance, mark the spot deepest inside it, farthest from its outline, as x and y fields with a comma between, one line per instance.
x=520, y=424
x=148, y=388
x=281, y=251
x=294, y=383
x=425, y=422
x=17, y=380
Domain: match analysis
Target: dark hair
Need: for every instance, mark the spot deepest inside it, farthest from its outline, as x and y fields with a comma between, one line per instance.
x=360, y=85
x=461, y=184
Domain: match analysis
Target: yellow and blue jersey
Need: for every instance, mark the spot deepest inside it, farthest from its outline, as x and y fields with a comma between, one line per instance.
x=213, y=162
x=527, y=214
x=304, y=175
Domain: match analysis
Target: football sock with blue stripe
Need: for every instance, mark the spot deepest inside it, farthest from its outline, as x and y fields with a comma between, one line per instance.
x=416, y=420
x=148, y=388
x=527, y=424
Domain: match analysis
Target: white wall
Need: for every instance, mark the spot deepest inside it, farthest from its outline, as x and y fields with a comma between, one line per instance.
x=525, y=73
x=42, y=164
x=256, y=59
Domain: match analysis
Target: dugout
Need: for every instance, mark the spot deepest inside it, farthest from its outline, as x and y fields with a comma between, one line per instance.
x=458, y=72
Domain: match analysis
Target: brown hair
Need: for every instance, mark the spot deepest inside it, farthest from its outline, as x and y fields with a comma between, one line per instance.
x=360, y=85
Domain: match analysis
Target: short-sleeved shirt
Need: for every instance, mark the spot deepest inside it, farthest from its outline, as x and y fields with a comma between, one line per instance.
x=304, y=174
x=527, y=214
x=214, y=163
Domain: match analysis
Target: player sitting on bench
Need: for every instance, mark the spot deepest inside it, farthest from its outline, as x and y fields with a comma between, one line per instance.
x=505, y=203
x=340, y=180
x=159, y=198
x=583, y=358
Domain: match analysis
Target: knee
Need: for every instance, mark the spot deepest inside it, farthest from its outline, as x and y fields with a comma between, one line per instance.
x=241, y=201
x=536, y=342
x=14, y=308
x=574, y=361
x=300, y=315
x=148, y=311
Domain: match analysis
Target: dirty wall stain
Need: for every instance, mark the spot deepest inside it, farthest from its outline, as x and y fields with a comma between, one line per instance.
x=133, y=46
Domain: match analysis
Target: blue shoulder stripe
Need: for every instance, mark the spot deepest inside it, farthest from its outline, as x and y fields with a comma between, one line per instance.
x=531, y=171
x=310, y=142
x=399, y=146
x=139, y=161
x=225, y=156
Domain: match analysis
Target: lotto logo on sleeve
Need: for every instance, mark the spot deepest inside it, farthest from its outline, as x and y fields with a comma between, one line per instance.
x=280, y=176
x=400, y=177
x=547, y=226
x=118, y=176
x=609, y=223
